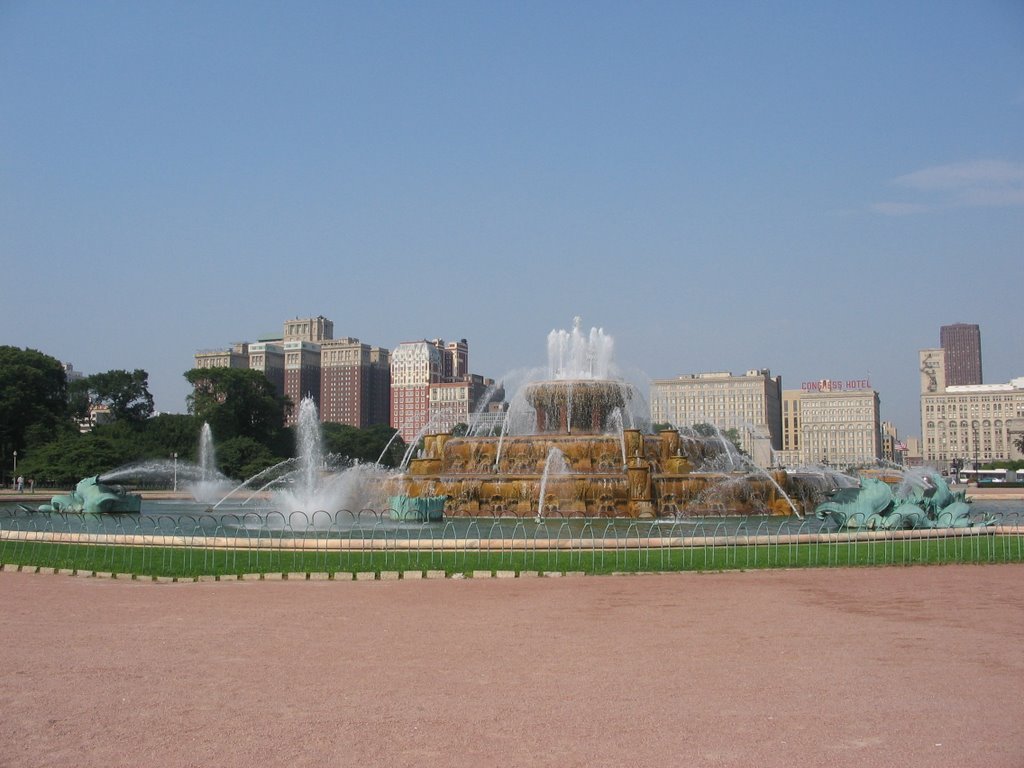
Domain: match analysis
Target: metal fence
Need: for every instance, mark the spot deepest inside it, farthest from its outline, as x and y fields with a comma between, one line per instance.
x=189, y=545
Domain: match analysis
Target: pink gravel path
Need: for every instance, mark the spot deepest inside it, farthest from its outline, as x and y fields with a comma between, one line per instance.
x=864, y=667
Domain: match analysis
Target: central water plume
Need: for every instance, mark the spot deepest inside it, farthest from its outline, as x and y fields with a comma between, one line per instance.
x=317, y=482
x=574, y=355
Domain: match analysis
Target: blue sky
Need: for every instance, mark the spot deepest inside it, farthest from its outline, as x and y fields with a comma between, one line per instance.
x=810, y=187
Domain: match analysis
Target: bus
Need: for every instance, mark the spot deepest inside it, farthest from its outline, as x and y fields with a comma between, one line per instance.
x=983, y=476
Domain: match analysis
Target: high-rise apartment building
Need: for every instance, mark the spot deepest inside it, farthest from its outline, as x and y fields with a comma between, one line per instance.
x=969, y=423
x=348, y=381
x=351, y=384
x=962, y=344
x=415, y=365
x=419, y=366
x=267, y=357
x=301, y=375
x=749, y=403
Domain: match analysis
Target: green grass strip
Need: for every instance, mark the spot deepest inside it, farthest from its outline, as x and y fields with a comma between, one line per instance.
x=189, y=562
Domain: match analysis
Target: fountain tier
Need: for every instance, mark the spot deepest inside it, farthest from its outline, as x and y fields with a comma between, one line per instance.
x=656, y=479
x=576, y=406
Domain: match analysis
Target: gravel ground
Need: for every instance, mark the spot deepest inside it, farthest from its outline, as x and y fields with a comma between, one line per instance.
x=889, y=666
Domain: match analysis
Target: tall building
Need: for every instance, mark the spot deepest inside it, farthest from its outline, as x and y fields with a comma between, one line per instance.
x=301, y=375
x=267, y=357
x=968, y=423
x=380, y=385
x=455, y=402
x=962, y=344
x=351, y=387
x=835, y=423
x=313, y=329
x=750, y=403
x=415, y=365
x=348, y=381
x=893, y=449
x=235, y=356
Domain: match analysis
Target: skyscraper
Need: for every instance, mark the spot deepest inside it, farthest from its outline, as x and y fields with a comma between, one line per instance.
x=962, y=342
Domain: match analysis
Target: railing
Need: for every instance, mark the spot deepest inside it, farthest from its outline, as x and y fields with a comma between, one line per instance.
x=343, y=544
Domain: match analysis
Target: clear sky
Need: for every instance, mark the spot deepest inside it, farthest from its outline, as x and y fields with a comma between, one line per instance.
x=810, y=187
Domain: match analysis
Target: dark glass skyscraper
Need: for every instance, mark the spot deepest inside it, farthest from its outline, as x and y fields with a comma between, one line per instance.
x=962, y=342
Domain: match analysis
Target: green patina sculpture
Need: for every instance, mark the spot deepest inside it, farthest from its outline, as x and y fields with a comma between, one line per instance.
x=421, y=509
x=874, y=505
x=91, y=496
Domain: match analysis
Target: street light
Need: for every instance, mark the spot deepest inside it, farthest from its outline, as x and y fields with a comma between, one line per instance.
x=175, y=455
x=977, y=466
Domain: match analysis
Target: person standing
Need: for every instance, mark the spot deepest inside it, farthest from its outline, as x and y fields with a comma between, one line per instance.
x=21, y=483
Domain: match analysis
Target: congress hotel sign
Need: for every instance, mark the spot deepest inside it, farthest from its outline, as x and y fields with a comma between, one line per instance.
x=835, y=385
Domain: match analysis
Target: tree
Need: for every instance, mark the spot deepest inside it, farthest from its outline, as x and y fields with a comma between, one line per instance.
x=236, y=402
x=243, y=457
x=125, y=394
x=69, y=458
x=366, y=445
x=1019, y=443
x=167, y=434
x=33, y=399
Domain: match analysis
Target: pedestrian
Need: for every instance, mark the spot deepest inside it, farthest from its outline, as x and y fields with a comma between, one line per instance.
x=31, y=485
x=21, y=483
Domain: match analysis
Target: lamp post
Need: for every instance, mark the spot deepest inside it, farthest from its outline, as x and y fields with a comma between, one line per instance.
x=977, y=466
x=14, y=477
x=175, y=455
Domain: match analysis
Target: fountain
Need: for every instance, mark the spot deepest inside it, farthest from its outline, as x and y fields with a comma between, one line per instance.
x=314, y=481
x=921, y=500
x=570, y=422
x=211, y=485
x=93, y=495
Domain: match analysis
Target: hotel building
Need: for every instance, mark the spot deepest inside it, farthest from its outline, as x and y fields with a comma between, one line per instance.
x=831, y=422
x=749, y=403
x=972, y=423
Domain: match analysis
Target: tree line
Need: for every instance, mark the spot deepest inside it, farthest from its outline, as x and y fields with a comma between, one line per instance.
x=41, y=413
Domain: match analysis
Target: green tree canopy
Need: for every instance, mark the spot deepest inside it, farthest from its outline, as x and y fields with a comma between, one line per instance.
x=366, y=445
x=33, y=398
x=243, y=457
x=72, y=456
x=125, y=393
x=236, y=402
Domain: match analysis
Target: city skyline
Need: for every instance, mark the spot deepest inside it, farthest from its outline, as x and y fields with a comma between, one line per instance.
x=813, y=190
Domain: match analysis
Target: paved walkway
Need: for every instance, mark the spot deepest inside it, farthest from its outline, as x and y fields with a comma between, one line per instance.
x=865, y=667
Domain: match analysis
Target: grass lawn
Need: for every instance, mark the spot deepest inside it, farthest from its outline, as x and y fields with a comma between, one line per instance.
x=191, y=562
